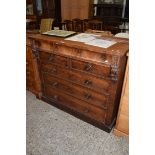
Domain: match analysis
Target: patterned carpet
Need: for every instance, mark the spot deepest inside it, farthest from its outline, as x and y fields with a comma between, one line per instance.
x=51, y=131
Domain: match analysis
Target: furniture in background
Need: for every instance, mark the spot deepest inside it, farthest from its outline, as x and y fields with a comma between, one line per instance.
x=82, y=79
x=102, y=33
x=122, y=123
x=122, y=35
x=77, y=25
x=46, y=25
x=85, y=24
x=111, y=14
x=124, y=27
x=45, y=9
x=95, y=24
x=31, y=24
x=32, y=76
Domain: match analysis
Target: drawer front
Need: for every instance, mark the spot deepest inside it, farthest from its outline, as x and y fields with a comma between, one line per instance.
x=49, y=58
x=28, y=53
x=92, y=82
x=79, y=92
x=75, y=104
x=100, y=70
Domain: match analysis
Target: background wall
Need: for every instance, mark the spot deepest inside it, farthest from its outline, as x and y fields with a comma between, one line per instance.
x=71, y=9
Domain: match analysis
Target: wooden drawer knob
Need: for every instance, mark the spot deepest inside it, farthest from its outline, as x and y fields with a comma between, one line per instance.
x=104, y=58
x=51, y=58
x=88, y=82
x=86, y=110
x=55, y=97
x=88, y=67
x=88, y=96
x=53, y=70
x=55, y=84
x=105, y=108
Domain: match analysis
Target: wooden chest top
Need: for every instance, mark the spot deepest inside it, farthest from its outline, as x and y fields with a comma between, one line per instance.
x=119, y=49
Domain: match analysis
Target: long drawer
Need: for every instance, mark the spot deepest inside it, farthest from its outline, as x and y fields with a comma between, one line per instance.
x=99, y=70
x=92, y=82
x=75, y=104
x=77, y=91
x=49, y=58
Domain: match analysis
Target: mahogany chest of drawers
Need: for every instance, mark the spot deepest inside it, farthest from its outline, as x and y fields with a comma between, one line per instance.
x=84, y=80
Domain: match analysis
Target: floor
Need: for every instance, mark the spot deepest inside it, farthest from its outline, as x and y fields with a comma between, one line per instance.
x=51, y=131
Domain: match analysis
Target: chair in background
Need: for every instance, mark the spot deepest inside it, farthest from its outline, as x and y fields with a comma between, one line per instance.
x=68, y=25
x=102, y=33
x=46, y=24
x=85, y=24
x=77, y=25
x=95, y=24
x=31, y=24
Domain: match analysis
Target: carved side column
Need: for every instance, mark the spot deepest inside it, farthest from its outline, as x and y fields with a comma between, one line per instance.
x=36, y=65
x=114, y=68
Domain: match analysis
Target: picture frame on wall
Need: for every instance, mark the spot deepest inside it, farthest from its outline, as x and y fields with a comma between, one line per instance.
x=29, y=9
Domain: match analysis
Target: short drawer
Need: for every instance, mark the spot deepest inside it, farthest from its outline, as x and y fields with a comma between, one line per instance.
x=77, y=105
x=49, y=58
x=92, y=82
x=77, y=91
x=100, y=70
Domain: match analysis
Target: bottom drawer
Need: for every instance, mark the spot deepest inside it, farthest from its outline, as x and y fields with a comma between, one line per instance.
x=75, y=104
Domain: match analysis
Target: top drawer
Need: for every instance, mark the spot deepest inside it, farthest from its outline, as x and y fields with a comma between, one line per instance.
x=48, y=58
x=100, y=70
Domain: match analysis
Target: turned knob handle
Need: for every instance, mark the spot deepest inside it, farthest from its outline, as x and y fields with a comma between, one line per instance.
x=51, y=58
x=88, y=67
x=55, y=97
x=88, y=96
x=87, y=82
x=105, y=108
x=53, y=70
x=86, y=110
x=55, y=84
